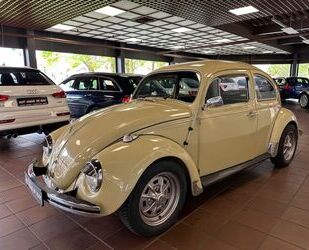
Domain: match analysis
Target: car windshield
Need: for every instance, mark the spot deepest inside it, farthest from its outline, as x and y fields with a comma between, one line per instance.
x=16, y=77
x=182, y=86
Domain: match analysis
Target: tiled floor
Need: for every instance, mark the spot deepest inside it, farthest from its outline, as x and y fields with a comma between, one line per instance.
x=260, y=208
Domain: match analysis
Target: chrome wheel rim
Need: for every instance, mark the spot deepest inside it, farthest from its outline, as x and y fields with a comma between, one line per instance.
x=303, y=100
x=289, y=146
x=159, y=199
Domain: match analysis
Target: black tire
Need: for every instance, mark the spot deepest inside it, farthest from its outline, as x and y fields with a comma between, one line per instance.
x=304, y=101
x=280, y=160
x=130, y=213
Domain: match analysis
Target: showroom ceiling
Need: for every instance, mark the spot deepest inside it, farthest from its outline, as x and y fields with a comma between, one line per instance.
x=210, y=27
x=160, y=30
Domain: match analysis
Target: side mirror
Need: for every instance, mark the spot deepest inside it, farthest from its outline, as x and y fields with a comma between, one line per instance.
x=213, y=102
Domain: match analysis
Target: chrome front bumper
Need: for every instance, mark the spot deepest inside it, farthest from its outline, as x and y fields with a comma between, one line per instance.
x=66, y=202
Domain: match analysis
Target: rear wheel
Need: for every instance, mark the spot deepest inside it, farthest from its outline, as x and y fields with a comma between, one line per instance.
x=287, y=146
x=156, y=201
x=304, y=100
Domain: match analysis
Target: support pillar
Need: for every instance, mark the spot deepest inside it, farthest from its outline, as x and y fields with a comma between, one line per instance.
x=294, y=65
x=29, y=52
x=120, y=62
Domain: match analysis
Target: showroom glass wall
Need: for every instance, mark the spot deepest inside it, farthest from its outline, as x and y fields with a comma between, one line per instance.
x=58, y=66
x=143, y=67
x=303, y=69
x=275, y=70
x=12, y=57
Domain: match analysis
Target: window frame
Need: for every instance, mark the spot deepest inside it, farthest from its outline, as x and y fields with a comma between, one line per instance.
x=254, y=74
x=230, y=74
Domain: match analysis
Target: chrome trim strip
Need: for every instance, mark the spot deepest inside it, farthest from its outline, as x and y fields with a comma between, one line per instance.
x=217, y=176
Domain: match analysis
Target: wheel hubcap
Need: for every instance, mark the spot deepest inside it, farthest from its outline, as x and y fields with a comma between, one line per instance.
x=304, y=100
x=289, y=146
x=159, y=198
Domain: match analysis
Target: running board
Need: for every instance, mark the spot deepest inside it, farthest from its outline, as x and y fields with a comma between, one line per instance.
x=217, y=176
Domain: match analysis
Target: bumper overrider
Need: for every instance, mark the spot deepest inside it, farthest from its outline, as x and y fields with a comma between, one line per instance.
x=66, y=202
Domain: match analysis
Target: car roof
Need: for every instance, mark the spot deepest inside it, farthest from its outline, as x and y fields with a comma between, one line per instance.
x=105, y=74
x=208, y=66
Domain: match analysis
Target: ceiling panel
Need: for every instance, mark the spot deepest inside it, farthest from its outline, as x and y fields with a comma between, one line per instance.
x=159, y=33
x=41, y=14
x=216, y=12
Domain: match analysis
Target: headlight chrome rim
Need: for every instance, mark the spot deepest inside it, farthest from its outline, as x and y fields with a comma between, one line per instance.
x=93, y=175
x=48, y=144
x=47, y=148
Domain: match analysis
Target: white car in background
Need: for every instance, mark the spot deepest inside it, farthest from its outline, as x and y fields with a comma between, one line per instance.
x=30, y=102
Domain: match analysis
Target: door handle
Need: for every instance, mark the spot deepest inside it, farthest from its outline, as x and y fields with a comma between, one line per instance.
x=252, y=114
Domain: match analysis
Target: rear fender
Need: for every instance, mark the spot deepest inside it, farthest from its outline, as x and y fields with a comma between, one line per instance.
x=284, y=118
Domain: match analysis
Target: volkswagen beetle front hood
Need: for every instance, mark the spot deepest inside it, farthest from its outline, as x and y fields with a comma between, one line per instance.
x=93, y=132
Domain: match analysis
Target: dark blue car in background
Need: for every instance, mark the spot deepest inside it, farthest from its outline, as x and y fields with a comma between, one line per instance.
x=292, y=87
x=91, y=91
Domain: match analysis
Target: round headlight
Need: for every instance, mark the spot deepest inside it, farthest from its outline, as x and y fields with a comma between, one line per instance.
x=93, y=175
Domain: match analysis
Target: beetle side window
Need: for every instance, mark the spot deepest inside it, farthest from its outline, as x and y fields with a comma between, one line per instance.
x=263, y=88
x=108, y=85
x=232, y=88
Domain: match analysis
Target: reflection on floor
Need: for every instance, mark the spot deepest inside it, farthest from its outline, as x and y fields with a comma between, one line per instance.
x=261, y=208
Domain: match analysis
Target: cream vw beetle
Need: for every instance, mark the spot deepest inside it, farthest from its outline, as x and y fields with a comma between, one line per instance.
x=142, y=158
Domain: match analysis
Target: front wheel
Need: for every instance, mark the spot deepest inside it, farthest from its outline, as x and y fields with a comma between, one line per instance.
x=287, y=146
x=156, y=201
x=304, y=101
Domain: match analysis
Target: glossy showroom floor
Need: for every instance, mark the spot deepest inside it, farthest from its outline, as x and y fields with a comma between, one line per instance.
x=261, y=208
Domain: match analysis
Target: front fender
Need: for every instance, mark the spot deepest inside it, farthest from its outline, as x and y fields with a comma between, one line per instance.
x=284, y=117
x=124, y=163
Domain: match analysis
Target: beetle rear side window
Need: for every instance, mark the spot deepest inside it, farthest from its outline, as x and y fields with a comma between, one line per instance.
x=232, y=88
x=263, y=88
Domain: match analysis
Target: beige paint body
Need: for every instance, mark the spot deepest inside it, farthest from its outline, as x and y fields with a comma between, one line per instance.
x=222, y=137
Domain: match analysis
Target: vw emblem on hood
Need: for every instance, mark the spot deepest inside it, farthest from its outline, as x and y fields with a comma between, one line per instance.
x=32, y=91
